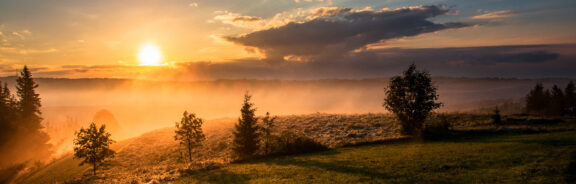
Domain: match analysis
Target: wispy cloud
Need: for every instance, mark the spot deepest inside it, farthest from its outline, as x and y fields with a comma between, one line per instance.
x=495, y=14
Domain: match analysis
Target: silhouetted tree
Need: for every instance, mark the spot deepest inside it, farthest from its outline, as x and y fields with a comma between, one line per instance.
x=8, y=114
x=246, y=136
x=557, y=101
x=189, y=132
x=29, y=103
x=93, y=145
x=537, y=100
x=267, y=128
x=570, y=97
x=496, y=117
x=411, y=97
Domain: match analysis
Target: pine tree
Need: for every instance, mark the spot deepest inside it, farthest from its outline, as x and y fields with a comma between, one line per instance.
x=93, y=145
x=267, y=128
x=557, y=101
x=29, y=104
x=189, y=132
x=411, y=97
x=570, y=98
x=246, y=136
x=537, y=100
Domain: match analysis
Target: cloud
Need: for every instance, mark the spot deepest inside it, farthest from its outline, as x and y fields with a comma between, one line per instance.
x=343, y=30
x=330, y=11
x=523, y=61
x=238, y=20
x=495, y=14
x=246, y=19
x=193, y=4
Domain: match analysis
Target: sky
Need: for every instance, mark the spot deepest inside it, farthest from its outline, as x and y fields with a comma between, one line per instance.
x=287, y=39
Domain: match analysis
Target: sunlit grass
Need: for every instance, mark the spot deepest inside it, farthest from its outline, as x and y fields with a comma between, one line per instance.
x=534, y=158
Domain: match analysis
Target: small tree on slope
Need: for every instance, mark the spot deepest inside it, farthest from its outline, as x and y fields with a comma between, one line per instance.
x=411, y=97
x=246, y=136
x=189, y=132
x=93, y=145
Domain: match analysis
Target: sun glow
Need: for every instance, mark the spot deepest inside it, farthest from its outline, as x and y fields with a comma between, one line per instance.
x=150, y=54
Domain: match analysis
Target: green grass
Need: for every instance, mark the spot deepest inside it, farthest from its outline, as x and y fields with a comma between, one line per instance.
x=526, y=158
x=60, y=170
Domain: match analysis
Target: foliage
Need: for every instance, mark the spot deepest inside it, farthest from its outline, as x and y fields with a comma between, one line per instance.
x=246, y=136
x=267, y=137
x=554, y=102
x=93, y=145
x=22, y=138
x=438, y=125
x=411, y=98
x=496, y=117
x=289, y=143
x=189, y=132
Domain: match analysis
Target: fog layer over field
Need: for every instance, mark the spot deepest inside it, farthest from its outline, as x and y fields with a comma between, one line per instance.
x=132, y=107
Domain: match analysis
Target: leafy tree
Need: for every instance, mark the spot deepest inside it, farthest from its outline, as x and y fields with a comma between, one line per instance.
x=267, y=128
x=246, y=136
x=93, y=145
x=537, y=100
x=189, y=132
x=570, y=97
x=411, y=98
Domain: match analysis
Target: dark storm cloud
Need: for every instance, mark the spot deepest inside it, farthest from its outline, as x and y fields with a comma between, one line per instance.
x=343, y=30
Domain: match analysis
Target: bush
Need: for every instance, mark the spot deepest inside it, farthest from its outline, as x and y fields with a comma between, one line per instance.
x=437, y=126
x=289, y=143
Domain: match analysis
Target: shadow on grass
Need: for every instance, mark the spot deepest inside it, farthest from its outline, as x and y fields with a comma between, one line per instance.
x=341, y=167
x=223, y=176
x=570, y=171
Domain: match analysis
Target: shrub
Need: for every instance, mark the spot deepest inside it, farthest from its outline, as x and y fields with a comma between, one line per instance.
x=437, y=126
x=290, y=143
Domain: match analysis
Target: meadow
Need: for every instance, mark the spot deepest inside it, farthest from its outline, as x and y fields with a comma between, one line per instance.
x=364, y=148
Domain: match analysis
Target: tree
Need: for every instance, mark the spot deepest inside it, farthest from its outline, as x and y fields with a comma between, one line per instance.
x=537, y=100
x=557, y=101
x=246, y=136
x=570, y=96
x=189, y=132
x=93, y=145
x=267, y=128
x=29, y=104
x=411, y=98
x=496, y=117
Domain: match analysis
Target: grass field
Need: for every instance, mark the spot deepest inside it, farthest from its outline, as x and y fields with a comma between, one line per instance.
x=509, y=158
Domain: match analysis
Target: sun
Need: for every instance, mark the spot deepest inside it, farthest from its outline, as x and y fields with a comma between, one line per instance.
x=149, y=54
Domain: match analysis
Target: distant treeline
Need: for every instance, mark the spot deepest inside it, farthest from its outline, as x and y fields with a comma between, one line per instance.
x=552, y=102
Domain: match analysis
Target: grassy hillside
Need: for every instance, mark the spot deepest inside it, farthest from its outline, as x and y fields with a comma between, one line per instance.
x=529, y=158
x=156, y=157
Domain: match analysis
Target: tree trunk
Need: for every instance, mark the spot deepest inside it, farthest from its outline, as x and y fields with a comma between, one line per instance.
x=94, y=166
x=189, y=151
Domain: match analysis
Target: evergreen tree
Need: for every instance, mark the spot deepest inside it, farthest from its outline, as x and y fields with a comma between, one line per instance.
x=29, y=104
x=570, y=99
x=411, y=97
x=7, y=115
x=246, y=136
x=267, y=128
x=496, y=117
x=93, y=145
x=537, y=100
x=557, y=101
x=189, y=132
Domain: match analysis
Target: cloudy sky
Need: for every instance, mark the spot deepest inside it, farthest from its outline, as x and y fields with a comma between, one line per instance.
x=288, y=39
